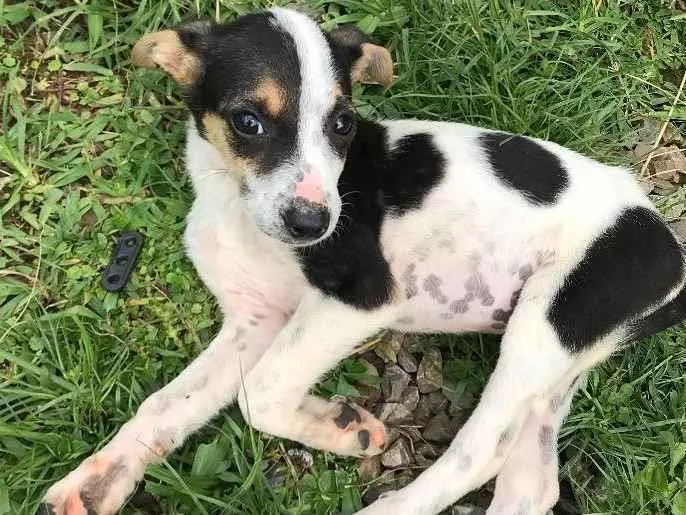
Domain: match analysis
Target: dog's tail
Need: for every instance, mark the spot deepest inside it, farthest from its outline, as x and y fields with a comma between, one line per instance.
x=668, y=315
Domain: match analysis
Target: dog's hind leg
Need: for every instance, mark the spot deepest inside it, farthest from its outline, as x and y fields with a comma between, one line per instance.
x=102, y=483
x=529, y=476
x=533, y=362
x=274, y=396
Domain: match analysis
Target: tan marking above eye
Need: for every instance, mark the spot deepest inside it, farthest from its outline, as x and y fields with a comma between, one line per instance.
x=164, y=49
x=218, y=134
x=272, y=95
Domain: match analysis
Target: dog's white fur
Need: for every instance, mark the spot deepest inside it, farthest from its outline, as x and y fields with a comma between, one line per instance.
x=280, y=334
x=313, y=154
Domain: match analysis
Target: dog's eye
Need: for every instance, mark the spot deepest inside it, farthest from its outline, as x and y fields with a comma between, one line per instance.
x=343, y=124
x=247, y=123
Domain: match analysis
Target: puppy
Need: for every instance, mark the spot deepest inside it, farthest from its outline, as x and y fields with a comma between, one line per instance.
x=314, y=229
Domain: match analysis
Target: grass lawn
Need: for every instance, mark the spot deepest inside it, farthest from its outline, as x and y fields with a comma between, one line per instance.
x=90, y=147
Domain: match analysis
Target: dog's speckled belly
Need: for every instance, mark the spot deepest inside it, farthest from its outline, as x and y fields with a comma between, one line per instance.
x=469, y=291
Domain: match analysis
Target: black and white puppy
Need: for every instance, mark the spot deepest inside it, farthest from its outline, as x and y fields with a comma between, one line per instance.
x=315, y=229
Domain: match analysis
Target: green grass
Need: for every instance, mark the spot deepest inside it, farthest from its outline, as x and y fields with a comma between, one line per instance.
x=90, y=147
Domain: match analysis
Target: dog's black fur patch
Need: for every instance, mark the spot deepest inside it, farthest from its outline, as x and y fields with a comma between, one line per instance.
x=348, y=414
x=671, y=313
x=631, y=266
x=377, y=179
x=235, y=57
x=363, y=438
x=526, y=166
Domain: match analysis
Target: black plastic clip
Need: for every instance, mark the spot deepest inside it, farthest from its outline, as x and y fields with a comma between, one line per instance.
x=118, y=270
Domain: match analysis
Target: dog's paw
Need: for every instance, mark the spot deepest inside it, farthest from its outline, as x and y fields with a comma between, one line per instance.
x=99, y=486
x=360, y=432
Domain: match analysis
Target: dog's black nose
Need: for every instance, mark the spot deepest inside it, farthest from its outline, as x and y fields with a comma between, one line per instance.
x=305, y=220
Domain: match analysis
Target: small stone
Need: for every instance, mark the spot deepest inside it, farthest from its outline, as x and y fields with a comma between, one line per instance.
x=385, y=483
x=668, y=163
x=410, y=398
x=425, y=455
x=430, y=371
x=646, y=186
x=397, y=341
x=384, y=350
x=679, y=227
x=398, y=455
x=642, y=149
x=369, y=468
x=429, y=405
x=394, y=382
x=439, y=429
x=463, y=406
x=370, y=368
x=393, y=413
x=407, y=361
x=392, y=434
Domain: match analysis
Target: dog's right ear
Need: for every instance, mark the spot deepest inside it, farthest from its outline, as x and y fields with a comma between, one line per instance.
x=367, y=63
x=176, y=51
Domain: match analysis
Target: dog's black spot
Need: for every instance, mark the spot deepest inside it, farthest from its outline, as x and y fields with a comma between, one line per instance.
x=432, y=285
x=363, y=438
x=472, y=283
x=500, y=315
x=378, y=178
x=526, y=166
x=504, y=439
x=45, y=508
x=631, y=266
x=671, y=313
x=348, y=414
x=487, y=299
x=410, y=280
x=515, y=298
x=459, y=306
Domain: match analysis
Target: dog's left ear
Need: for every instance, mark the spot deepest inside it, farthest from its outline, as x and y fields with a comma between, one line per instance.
x=368, y=63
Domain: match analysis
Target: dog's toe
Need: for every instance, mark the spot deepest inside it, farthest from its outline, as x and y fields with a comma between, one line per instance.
x=362, y=433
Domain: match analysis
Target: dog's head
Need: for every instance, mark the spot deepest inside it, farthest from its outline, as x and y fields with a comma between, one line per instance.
x=271, y=93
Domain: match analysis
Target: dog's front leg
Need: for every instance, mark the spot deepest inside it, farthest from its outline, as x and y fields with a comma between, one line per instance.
x=101, y=484
x=274, y=397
